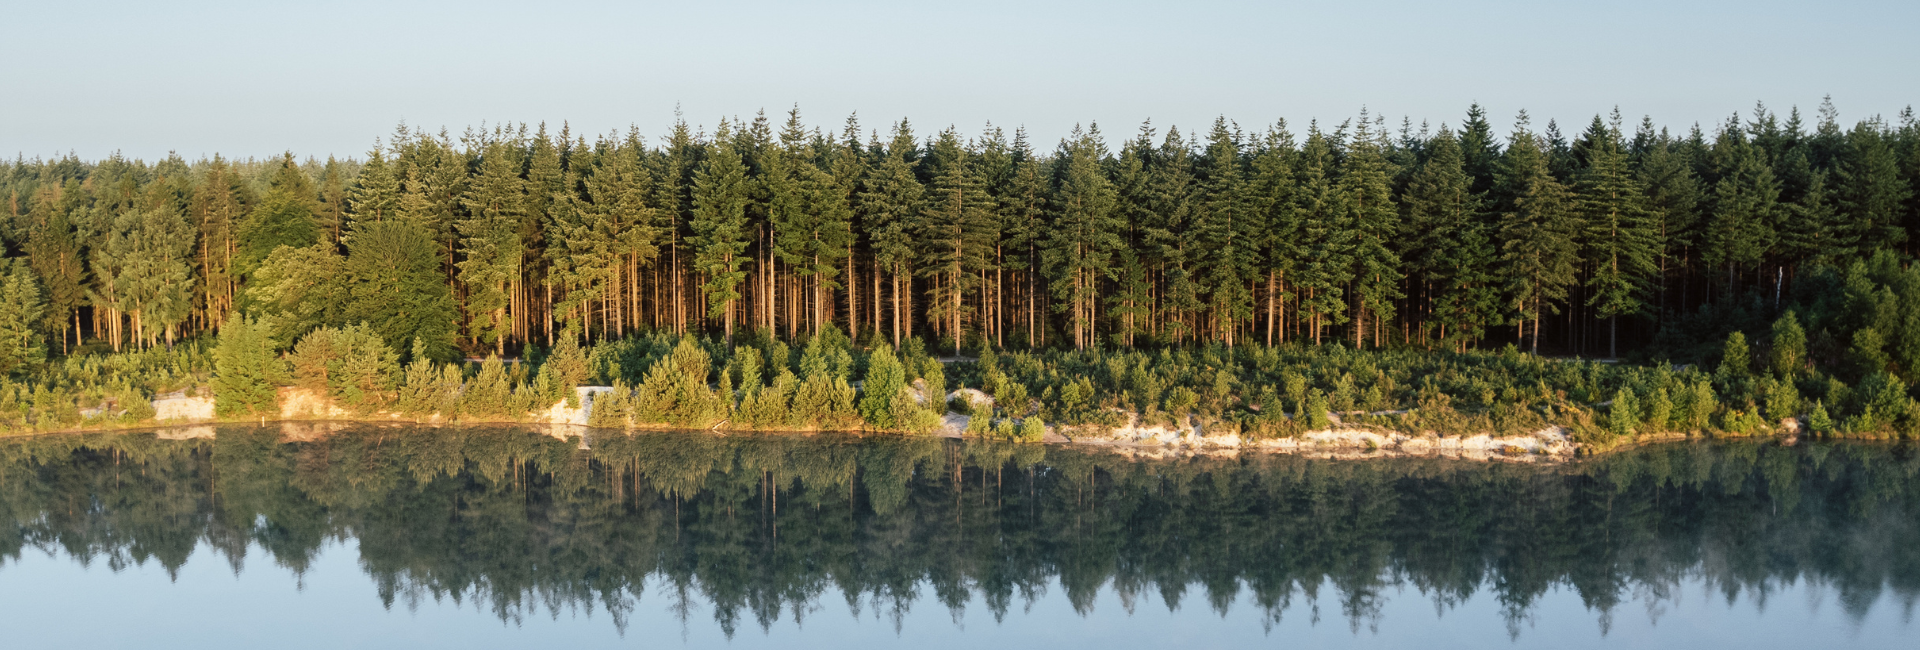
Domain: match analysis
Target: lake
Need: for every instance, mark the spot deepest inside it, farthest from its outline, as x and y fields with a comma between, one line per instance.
x=308, y=536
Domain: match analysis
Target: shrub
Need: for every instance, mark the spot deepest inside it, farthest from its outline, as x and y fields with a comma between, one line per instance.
x=245, y=369
x=1032, y=430
x=490, y=394
x=351, y=364
x=880, y=393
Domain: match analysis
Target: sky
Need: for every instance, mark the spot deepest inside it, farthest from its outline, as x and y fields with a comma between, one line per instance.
x=253, y=79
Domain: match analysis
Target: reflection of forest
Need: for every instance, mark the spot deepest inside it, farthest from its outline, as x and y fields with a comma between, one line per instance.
x=768, y=527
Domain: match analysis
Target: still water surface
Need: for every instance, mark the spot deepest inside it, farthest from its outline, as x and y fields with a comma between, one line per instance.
x=494, y=537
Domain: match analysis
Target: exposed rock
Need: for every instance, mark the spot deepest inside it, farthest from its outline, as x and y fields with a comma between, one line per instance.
x=302, y=403
x=189, y=409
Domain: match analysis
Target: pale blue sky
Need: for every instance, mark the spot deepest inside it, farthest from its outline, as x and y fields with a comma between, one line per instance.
x=319, y=78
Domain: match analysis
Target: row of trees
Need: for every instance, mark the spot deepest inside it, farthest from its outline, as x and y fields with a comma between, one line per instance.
x=1359, y=232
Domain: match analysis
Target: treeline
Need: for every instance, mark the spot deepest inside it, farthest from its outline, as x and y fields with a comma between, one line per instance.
x=1436, y=237
x=758, y=527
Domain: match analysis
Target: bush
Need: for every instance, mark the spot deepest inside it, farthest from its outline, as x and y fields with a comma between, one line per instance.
x=245, y=370
x=880, y=392
x=351, y=364
x=1032, y=430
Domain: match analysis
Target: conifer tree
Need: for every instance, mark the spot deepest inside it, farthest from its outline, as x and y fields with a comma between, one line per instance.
x=1745, y=199
x=720, y=198
x=889, y=205
x=1327, y=240
x=1871, y=190
x=376, y=195
x=1271, y=193
x=216, y=211
x=491, y=245
x=956, y=233
x=1619, y=244
x=286, y=216
x=1364, y=194
x=1537, y=231
x=53, y=250
x=1446, y=232
x=1229, y=228
x=21, y=311
x=1083, y=234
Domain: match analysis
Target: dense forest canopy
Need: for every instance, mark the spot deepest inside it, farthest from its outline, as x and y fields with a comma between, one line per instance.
x=1582, y=240
x=794, y=277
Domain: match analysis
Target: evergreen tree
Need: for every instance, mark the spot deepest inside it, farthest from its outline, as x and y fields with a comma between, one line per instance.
x=956, y=233
x=1079, y=245
x=1229, y=229
x=720, y=198
x=889, y=205
x=1447, y=239
x=1740, y=229
x=1271, y=193
x=286, y=216
x=1537, y=231
x=21, y=311
x=1619, y=244
x=1328, y=240
x=246, y=370
x=53, y=250
x=1364, y=194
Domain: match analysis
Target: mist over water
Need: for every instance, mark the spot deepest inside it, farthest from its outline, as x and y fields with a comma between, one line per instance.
x=390, y=536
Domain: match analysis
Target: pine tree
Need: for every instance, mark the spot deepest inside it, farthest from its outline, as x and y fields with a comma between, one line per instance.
x=1229, y=230
x=21, y=311
x=1740, y=230
x=1872, y=193
x=152, y=275
x=1327, y=241
x=216, y=210
x=1171, y=238
x=1537, y=231
x=53, y=250
x=286, y=216
x=957, y=231
x=1271, y=192
x=376, y=194
x=1083, y=234
x=1619, y=244
x=889, y=206
x=245, y=369
x=720, y=198
x=1446, y=235
x=1479, y=151
x=1364, y=193
x=491, y=245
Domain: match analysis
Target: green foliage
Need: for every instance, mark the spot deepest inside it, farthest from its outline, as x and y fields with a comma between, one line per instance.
x=246, y=371
x=565, y=369
x=675, y=390
x=1623, y=416
x=1818, y=421
x=880, y=392
x=1032, y=429
x=21, y=308
x=489, y=396
x=349, y=364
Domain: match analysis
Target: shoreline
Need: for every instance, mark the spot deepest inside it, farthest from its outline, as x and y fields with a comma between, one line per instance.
x=1550, y=445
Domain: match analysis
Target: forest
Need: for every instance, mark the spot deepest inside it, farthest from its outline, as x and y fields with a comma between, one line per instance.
x=756, y=530
x=1619, y=279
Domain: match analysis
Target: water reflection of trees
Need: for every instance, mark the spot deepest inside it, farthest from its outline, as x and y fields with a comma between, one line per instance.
x=764, y=528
